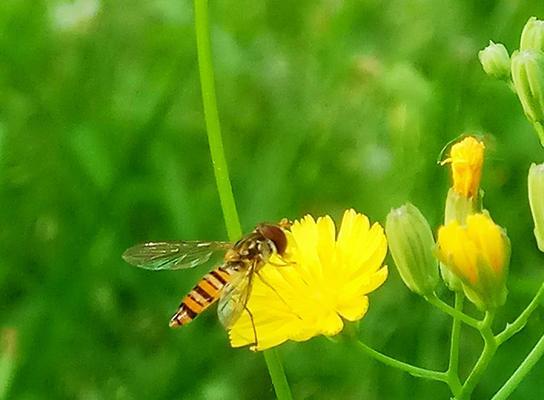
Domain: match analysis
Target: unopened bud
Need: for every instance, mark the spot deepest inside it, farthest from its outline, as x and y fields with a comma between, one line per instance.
x=532, y=36
x=536, y=201
x=495, y=61
x=528, y=78
x=459, y=207
x=411, y=244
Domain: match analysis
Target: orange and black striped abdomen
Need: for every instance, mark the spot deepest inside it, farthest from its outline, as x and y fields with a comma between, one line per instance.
x=206, y=292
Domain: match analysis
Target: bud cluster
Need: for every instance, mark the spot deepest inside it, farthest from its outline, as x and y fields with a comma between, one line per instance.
x=473, y=251
x=526, y=69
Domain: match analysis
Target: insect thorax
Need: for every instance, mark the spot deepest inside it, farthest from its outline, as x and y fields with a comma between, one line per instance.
x=253, y=251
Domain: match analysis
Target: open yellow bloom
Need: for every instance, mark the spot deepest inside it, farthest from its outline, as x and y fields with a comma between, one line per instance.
x=466, y=158
x=322, y=280
x=478, y=253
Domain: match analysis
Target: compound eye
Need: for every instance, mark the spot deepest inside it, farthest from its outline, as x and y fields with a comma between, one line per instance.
x=276, y=235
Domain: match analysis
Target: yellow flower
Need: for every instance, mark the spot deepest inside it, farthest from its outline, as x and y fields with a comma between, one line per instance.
x=466, y=158
x=478, y=254
x=322, y=280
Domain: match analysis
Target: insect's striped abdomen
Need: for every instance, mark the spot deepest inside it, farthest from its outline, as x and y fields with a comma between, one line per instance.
x=206, y=292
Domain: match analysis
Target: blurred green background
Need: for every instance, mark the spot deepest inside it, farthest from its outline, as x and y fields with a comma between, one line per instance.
x=325, y=105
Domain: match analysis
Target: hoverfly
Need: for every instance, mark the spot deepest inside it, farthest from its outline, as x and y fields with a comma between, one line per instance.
x=230, y=283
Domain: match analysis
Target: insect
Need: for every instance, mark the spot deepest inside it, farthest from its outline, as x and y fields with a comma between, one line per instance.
x=230, y=283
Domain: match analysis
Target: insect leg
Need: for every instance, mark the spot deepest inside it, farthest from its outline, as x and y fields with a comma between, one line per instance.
x=255, y=344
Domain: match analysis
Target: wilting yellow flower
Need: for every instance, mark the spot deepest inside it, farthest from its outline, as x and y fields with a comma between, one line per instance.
x=322, y=280
x=477, y=253
x=466, y=158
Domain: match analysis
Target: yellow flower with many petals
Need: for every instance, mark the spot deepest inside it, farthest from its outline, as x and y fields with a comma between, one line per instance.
x=466, y=158
x=478, y=253
x=322, y=280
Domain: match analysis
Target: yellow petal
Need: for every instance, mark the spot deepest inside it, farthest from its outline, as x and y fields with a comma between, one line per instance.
x=353, y=309
x=466, y=158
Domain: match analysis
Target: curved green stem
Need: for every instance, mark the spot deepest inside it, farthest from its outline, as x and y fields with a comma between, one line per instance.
x=453, y=366
x=411, y=369
x=211, y=115
x=519, y=323
x=490, y=347
x=438, y=303
x=513, y=382
x=213, y=127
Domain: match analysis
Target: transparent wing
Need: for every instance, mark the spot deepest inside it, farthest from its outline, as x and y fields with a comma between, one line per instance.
x=234, y=298
x=172, y=255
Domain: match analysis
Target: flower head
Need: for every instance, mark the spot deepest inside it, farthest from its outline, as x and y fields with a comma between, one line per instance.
x=466, y=158
x=478, y=254
x=323, y=279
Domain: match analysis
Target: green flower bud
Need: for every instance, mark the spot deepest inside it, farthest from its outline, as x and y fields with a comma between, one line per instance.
x=528, y=78
x=536, y=201
x=532, y=37
x=411, y=244
x=458, y=207
x=495, y=61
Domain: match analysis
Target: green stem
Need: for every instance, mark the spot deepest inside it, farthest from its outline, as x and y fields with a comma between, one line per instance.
x=520, y=373
x=411, y=369
x=281, y=386
x=220, y=168
x=453, y=367
x=490, y=347
x=211, y=115
x=519, y=323
x=438, y=303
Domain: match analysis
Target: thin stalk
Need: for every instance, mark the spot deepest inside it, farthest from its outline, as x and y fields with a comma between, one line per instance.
x=490, y=347
x=438, y=303
x=513, y=382
x=275, y=368
x=213, y=127
x=519, y=323
x=222, y=179
x=453, y=367
x=411, y=369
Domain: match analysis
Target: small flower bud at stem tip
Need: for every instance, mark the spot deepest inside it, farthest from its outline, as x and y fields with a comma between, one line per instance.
x=495, y=61
x=536, y=201
x=532, y=36
x=411, y=244
x=528, y=79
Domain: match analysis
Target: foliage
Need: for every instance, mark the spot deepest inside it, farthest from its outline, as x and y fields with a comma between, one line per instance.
x=324, y=105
